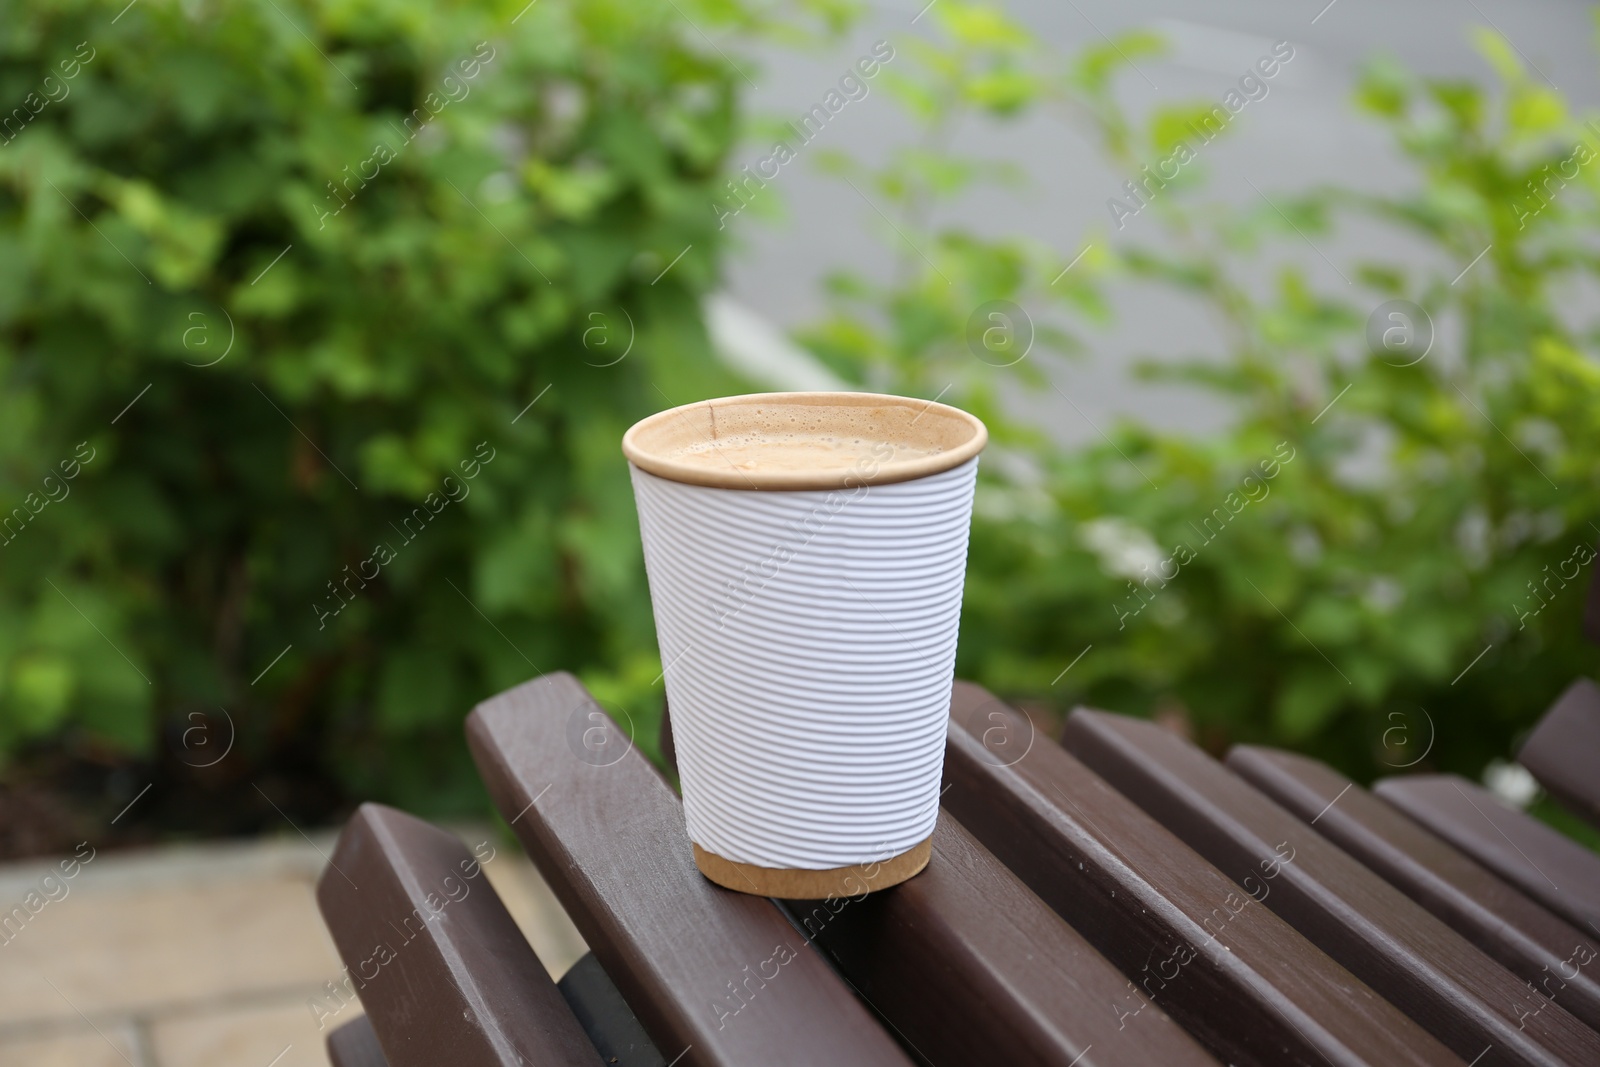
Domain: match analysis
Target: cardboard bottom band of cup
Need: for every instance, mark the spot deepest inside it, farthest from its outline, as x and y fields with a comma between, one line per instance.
x=833, y=883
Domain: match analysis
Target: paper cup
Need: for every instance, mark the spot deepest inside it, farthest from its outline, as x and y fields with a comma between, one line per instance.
x=807, y=613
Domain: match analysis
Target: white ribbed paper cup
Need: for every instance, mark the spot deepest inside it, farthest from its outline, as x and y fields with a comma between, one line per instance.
x=807, y=618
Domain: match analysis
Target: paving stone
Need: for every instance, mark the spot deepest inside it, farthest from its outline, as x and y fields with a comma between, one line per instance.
x=219, y=945
x=83, y=1048
x=112, y=951
x=249, y=1037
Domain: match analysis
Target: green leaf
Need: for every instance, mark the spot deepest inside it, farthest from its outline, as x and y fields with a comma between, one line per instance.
x=39, y=692
x=1498, y=51
x=1306, y=701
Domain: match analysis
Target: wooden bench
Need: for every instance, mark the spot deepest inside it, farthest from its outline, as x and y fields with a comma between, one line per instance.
x=1524, y=937
x=715, y=976
x=1068, y=917
x=422, y=933
x=1380, y=935
x=355, y=1044
x=1239, y=977
x=1552, y=869
x=1560, y=752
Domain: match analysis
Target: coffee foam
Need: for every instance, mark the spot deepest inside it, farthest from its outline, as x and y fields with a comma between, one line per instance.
x=803, y=440
x=753, y=452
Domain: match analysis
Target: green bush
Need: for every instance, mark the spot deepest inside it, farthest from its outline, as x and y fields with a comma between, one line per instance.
x=1337, y=599
x=285, y=278
x=312, y=341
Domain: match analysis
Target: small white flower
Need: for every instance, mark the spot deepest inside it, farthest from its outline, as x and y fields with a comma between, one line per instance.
x=1511, y=782
x=498, y=187
x=1123, y=549
x=1472, y=538
x=1304, y=545
x=1383, y=595
x=1541, y=435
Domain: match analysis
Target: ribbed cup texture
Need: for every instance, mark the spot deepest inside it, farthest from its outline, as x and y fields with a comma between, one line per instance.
x=809, y=640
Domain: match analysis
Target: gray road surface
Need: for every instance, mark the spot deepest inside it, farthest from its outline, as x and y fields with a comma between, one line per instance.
x=1304, y=132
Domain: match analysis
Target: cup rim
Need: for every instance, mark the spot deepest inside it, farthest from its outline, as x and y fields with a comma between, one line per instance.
x=898, y=471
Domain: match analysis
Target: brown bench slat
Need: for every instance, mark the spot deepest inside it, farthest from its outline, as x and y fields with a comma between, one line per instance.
x=967, y=931
x=1552, y=869
x=1423, y=967
x=443, y=972
x=1230, y=970
x=972, y=968
x=716, y=977
x=1528, y=940
x=1563, y=751
x=353, y=1044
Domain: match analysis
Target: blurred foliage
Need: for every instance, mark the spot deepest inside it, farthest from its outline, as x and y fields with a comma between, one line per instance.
x=283, y=283
x=1443, y=508
x=291, y=271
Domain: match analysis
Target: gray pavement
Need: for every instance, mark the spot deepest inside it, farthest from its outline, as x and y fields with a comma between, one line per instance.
x=200, y=955
x=1305, y=131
